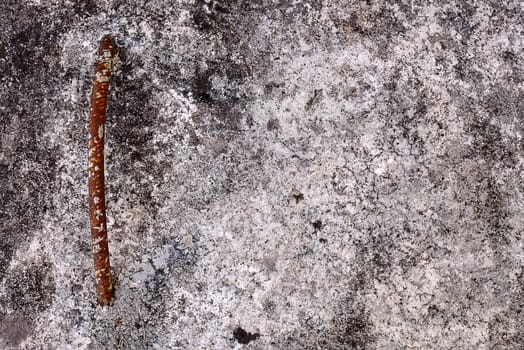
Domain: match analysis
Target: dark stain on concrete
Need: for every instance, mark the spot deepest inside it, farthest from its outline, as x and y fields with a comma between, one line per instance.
x=29, y=291
x=27, y=164
x=14, y=329
x=244, y=337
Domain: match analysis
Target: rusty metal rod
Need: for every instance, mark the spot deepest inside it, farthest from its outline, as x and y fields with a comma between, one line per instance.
x=97, y=206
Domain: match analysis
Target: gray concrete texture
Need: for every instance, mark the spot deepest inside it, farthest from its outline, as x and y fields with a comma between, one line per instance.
x=280, y=174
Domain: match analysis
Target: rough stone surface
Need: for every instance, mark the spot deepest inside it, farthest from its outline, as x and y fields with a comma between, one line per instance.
x=280, y=174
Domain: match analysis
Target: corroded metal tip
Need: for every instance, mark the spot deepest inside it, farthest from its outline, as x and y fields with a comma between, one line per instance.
x=108, y=53
x=107, y=43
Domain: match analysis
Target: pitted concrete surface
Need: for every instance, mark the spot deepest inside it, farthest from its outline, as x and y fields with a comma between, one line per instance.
x=280, y=175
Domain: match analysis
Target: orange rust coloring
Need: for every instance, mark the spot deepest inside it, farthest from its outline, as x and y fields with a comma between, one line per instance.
x=97, y=206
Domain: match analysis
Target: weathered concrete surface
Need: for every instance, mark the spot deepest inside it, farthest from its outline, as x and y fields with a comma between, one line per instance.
x=280, y=175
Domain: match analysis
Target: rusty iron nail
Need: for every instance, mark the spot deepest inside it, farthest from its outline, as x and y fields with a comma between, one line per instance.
x=107, y=57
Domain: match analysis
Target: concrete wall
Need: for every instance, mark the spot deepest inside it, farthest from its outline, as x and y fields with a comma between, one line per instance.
x=280, y=175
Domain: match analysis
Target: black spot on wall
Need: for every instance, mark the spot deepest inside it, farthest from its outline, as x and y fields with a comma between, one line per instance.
x=201, y=87
x=244, y=337
x=317, y=225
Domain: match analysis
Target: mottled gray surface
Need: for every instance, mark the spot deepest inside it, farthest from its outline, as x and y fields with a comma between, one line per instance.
x=281, y=175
